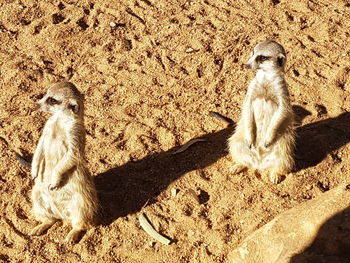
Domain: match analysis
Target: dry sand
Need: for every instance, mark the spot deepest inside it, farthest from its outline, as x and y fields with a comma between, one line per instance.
x=151, y=71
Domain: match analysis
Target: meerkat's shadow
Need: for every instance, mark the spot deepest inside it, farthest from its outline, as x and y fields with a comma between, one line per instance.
x=316, y=140
x=127, y=188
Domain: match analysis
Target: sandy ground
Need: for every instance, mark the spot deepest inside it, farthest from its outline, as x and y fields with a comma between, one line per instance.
x=151, y=71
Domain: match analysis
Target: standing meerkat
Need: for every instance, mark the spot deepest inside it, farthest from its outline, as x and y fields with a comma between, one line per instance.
x=63, y=187
x=264, y=137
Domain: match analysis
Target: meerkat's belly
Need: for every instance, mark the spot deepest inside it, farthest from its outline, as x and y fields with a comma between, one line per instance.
x=55, y=148
x=58, y=203
x=263, y=112
x=46, y=199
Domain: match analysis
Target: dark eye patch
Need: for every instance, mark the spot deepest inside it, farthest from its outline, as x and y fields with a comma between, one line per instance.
x=52, y=101
x=280, y=61
x=261, y=58
x=74, y=108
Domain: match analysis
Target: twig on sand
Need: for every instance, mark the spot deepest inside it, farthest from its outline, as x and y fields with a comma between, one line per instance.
x=188, y=144
x=146, y=225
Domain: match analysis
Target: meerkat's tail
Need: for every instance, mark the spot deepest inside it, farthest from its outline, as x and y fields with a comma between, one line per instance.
x=23, y=161
x=221, y=117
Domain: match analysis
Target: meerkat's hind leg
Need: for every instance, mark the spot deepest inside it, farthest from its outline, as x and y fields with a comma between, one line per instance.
x=276, y=176
x=281, y=164
x=78, y=226
x=240, y=153
x=42, y=227
x=75, y=234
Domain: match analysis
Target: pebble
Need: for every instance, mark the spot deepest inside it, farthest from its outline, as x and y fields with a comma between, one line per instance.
x=174, y=192
x=152, y=244
x=193, y=193
x=112, y=24
x=190, y=233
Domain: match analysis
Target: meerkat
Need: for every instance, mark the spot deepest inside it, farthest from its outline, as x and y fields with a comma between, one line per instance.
x=63, y=187
x=264, y=137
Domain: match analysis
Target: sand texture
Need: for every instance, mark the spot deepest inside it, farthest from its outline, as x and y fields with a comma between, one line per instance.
x=151, y=71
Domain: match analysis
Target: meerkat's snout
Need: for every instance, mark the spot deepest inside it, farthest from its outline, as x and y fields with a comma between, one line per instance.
x=246, y=66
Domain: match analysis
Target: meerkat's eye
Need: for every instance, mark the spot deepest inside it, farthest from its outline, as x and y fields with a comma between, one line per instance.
x=52, y=101
x=261, y=58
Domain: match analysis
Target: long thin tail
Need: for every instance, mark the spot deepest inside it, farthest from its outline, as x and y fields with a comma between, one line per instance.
x=23, y=161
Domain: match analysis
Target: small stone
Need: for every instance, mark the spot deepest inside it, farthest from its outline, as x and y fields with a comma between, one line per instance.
x=151, y=244
x=112, y=24
x=174, y=192
x=321, y=110
x=193, y=194
x=189, y=50
x=190, y=233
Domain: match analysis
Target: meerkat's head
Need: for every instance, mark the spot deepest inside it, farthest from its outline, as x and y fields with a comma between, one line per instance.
x=267, y=55
x=64, y=98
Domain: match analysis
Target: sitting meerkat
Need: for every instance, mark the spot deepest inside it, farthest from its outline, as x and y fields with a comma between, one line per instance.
x=63, y=187
x=264, y=137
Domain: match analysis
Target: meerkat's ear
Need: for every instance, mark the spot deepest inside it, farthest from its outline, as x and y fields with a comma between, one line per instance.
x=74, y=106
x=281, y=60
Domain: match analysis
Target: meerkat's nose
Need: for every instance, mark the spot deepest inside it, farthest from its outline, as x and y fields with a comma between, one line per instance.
x=246, y=65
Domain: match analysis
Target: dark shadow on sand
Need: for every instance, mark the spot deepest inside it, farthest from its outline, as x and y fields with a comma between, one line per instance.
x=316, y=140
x=127, y=188
x=332, y=243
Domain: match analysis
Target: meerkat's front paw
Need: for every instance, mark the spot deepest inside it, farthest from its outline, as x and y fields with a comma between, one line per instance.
x=54, y=186
x=268, y=140
x=267, y=144
x=34, y=173
x=249, y=141
x=55, y=183
x=237, y=168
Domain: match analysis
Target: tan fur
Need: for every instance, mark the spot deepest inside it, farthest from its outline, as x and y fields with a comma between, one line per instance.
x=264, y=137
x=64, y=188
